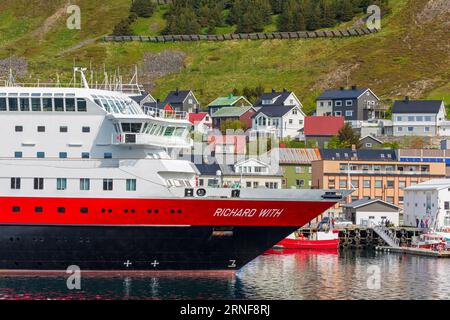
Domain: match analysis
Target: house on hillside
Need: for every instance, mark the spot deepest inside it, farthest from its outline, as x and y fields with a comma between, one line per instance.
x=274, y=98
x=370, y=142
x=419, y=118
x=355, y=104
x=278, y=121
x=228, y=101
x=143, y=99
x=295, y=166
x=320, y=129
x=244, y=114
x=201, y=121
x=182, y=100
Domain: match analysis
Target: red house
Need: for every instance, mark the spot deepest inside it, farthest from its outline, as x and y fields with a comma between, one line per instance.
x=321, y=129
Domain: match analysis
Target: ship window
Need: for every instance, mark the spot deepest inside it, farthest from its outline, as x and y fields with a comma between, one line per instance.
x=15, y=209
x=24, y=104
x=63, y=155
x=59, y=104
x=15, y=183
x=40, y=154
x=179, y=131
x=19, y=128
x=35, y=104
x=107, y=155
x=41, y=128
x=84, y=210
x=13, y=105
x=63, y=129
x=61, y=210
x=86, y=129
x=38, y=209
x=3, y=104
x=81, y=105
x=70, y=104
x=85, y=184
x=105, y=105
x=38, y=183
x=47, y=104
x=131, y=185
x=107, y=184
x=85, y=155
x=61, y=184
x=18, y=154
x=169, y=131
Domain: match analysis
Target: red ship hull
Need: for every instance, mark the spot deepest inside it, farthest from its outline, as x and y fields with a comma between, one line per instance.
x=308, y=244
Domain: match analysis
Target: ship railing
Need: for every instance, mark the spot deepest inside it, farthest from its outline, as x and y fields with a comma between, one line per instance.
x=146, y=139
x=165, y=114
x=128, y=89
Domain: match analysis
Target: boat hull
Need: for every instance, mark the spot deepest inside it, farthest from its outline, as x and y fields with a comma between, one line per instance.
x=308, y=244
x=118, y=248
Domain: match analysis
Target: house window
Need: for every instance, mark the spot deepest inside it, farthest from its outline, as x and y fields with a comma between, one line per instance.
x=426, y=129
x=18, y=154
x=399, y=129
x=348, y=103
x=331, y=183
x=38, y=183
x=368, y=145
x=86, y=129
x=343, y=184
x=294, y=111
x=338, y=113
x=291, y=121
x=378, y=184
x=85, y=184
x=61, y=184
x=63, y=129
x=410, y=118
x=19, y=129
x=131, y=185
x=427, y=118
x=107, y=184
x=298, y=169
x=63, y=155
x=349, y=113
x=15, y=183
x=419, y=118
x=390, y=184
x=446, y=205
x=399, y=118
x=410, y=129
x=366, y=183
x=355, y=183
x=248, y=184
x=390, y=199
x=300, y=182
x=402, y=184
x=338, y=103
x=401, y=200
x=41, y=129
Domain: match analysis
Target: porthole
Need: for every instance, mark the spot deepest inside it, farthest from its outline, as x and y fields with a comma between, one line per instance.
x=133, y=211
x=179, y=211
x=149, y=211
x=109, y=210
x=103, y=210
x=15, y=209
x=156, y=211
x=61, y=210
x=172, y=211
x=84, y=210
x=126, y=210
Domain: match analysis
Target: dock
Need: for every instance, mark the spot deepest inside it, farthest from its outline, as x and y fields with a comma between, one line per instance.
x=416, y=251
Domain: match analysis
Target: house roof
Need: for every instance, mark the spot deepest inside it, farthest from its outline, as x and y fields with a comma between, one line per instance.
x=274, y=111
x=371, y=137
x=435, y=184
x=206, y=167
x=231, y=111
x=365, y=202
x=323, y=125
x=416, y=106
x=296, y=155
x=360, y=154
x=279, y=97
x=139, y=99
x=194, y=117
x=229, y=100
x=177, y=96
x=342, y=94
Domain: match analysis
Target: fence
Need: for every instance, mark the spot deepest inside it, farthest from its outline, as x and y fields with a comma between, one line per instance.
x=247, y=36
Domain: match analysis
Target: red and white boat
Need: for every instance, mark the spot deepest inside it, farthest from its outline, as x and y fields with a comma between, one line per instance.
x=319, y=240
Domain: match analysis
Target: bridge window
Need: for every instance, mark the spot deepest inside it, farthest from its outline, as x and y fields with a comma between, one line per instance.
x=169, y=131
x=19, y=129
x=59, y=104
x=3, y=104
x=86, y=129
x=63, y=129
x=70, y=104
x=40, y=154
x=85, y=184
x=179, y=131
x=61, y=184
x=15, y=183
x=41, y=129
x=107, y=184
x=107, y=155
x=81, y=105
x=24, y=104
x=36, y=104
x=13, y=105
x=63, y=155
x=47, y=104
x=85, y=155
x=131, y=184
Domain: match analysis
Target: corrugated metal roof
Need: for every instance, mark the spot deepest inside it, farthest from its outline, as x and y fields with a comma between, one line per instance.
x=297, y=155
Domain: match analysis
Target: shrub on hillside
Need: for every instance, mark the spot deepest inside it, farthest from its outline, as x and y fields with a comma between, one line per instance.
x=143, y=8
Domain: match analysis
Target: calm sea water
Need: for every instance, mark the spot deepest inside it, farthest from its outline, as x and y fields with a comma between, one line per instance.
x=279, y=275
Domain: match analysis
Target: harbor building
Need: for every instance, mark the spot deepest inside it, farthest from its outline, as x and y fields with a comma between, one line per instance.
x=364, y=212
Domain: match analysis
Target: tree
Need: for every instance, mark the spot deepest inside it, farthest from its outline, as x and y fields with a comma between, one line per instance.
x=143, y=8
x=346, y=11
x=122, y=28
x=327, y=16
x=348, y=138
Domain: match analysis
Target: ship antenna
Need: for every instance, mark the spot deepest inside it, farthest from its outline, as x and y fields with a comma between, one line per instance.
x=83, y=77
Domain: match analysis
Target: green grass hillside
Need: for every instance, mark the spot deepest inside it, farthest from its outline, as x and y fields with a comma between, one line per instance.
x=410, y=56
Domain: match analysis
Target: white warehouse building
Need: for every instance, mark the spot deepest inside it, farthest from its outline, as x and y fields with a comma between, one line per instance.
x=428, y=204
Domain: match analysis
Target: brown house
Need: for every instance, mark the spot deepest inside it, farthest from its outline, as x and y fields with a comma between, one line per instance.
x=243, y=114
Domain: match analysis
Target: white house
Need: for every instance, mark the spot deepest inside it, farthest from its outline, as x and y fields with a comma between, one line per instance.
x=364, y=212
x=274, y=99
x=428, y=204
x=201, y=121
x=279, y=121
x=419, y=118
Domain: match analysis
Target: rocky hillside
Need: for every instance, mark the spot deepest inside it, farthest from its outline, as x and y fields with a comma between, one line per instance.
x=410, y=56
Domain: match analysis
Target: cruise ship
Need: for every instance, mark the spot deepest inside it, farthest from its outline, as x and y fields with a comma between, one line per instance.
x=86, y=179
